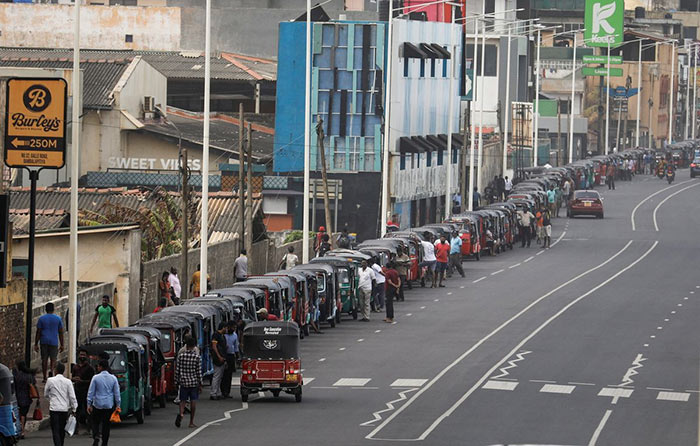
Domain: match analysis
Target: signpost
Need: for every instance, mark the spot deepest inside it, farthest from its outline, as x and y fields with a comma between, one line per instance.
x=601, y=71
x=603, y=22
x=35, y=139
x=614, y=60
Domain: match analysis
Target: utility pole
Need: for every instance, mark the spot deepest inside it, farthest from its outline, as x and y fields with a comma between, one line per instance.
x=184, y=171
x=463, y=159
x=249, y=195
x=559, y=151
x=627, y=111
x=324, y=178
x=241, y=163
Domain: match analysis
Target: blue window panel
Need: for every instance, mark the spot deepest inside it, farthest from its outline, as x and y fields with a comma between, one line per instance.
x=422, y=68
x=370, y=155
x=445, y=62
x=341, y=58
x=314, y=90
x=377, y=146
x=405, y=66
x=343, y=35
x=345, y=80
x=402, y=164
x=325, y=79
x=350, y=38
x=358, y=37
x=439, y=157
x=455, y=154
x=380, y=39
x=358, y=147
x=322, y=102
x=317, y=37
x=328, y=34
x=428, y=159
x=432, y=67
x=345, y=146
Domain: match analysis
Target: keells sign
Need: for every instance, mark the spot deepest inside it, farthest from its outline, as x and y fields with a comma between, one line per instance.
x=604, y=22
x=35, y=123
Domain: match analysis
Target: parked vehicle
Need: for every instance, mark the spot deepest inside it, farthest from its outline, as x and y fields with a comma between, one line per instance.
x=346, y=272
x=271, y=360
x=586, y=202
x=326, y=290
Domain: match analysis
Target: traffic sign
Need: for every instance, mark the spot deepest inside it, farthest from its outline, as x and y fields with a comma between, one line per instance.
x=35, y=123
x=614, y=60
x=603, y=22
x=598, y=71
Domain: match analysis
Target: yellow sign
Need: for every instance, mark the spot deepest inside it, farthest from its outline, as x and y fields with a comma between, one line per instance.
x=35, y=123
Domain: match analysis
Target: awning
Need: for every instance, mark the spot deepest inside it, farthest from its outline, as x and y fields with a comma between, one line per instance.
x=409, y=50
x=439, y=49
x=427, y=145
x=407, y=145
x=430, y=51
x=457, y=140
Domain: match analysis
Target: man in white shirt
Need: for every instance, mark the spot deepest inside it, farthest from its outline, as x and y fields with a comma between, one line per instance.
x=509, y=186
x=525, y=217
x=366, y=282
x=429, y=261
x=61, y=395
x=175, y=285
x=378, y=290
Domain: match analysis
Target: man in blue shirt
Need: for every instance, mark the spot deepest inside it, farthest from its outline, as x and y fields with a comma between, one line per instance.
x=552, y=200
x=455, y=255
x=103, y=399
x=232, y=348
x=49, y=338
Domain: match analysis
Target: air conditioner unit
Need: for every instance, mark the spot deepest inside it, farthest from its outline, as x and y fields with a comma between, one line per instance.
x=149, y=104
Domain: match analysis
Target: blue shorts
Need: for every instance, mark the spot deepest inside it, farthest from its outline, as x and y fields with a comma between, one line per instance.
x=189, y=393
x=429, y=263
x=441, y=267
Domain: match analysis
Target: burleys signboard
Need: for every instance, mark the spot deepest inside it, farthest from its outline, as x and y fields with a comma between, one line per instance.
x=35, y=123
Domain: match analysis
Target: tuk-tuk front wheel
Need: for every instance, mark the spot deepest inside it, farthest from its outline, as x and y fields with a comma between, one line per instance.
x=139, y=413
x=244, y=395
x=297, y=396
x=354, y=313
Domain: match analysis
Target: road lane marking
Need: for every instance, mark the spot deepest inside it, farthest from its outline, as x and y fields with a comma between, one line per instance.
x=580, y=384
x=500, y=385
x=528, y=259
x=561, y=237
x=352, y=382
x=322, y=359
x=557, y=388
x=632, y=371
x=514, y=266
x=405, y=382
x=227, y=416
x=540, y=252
x=656, y=209
x=546, y=381
x=497, y=272
x=409, y=314
x=461, y=287
x=306, y=380
x=422, y=308
x=512, y=364
x=389, y=407
x=600, y=427
x=479, y=279
x=660, y=388
x=634, y=211
x=342, y=349
x=450, y=293
x=615, y=393
x=361, y=340
x=497, y=330
x=454, y=407
x=377, y=331
x=659, y=328
x=673, y=396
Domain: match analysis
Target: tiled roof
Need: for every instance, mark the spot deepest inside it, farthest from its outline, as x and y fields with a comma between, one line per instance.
x=53, y=203
x=100, y=76
x=173, y=64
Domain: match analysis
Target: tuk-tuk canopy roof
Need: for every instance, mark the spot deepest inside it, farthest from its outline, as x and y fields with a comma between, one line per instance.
x=173, y=320
x=185, y=313
x=143, y=329
x=98, y=345
x=272, y=283
x=203, y=310
x=137, y=338
x=320, y=267
x=333, y=260
x=348, y=254
x=239, y=291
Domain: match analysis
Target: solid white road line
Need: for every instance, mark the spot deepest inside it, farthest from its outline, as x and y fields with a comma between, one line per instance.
x=479, y=279
x=497, y=272
x=557, y=388
x=634, y=211
x=673, y=396
x=514, y=266
x=404, y=382
x=486, y=338
x=352, y=382
x=500, y=385
x=600, y=427
x=454, y=407
x=656, y=209
x=227, y=416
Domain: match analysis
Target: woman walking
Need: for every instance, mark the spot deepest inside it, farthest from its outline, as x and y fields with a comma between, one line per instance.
x=25, y=386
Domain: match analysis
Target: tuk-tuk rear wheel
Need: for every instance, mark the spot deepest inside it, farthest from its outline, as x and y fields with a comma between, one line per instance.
x=297, y=396
x=244, y=395
x=147, y=407
x=354, y=313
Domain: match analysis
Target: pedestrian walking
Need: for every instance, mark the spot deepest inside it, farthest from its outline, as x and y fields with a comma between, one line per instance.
x=103, y=400
x=476, y=197
x=81, y=375
x=105, y=315
x=165, y=289
x=196, y=281
x=232, y=348
x=49, y=338
x=379, y=288
x=175, y=285
x=565, y=191
x=290, y=260
x=552, y=199
x=429, y=261
x=501, y=187
x=455, y=255
x=509, y=186
x=403, y=263
x=66, y=318
x=25, y=391
x=393, y=284
x=538, y=223
x=188, y=378
x=59, y=391
x=442, y=255
x=525, y=219
x=610, y=176
x=240, y=267
x=218, y=348
x=547, y=230
x=343, y=241
x=365, y=284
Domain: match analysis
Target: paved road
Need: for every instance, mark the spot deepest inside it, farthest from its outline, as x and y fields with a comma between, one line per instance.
x=593, y=342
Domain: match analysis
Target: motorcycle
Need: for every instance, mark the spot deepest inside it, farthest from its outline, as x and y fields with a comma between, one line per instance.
x=670, y=175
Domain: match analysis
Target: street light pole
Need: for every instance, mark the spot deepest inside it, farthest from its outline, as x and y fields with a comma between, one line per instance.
x=571, y=108
x=450, y=120
x=481, y=102
x=204, y=234
x=536, y=106
x=387, y=123
x=607, y=105
x=470, y=192
x=307, y=138
x=639, y=93
x=670, y=93
x=695, y=90
x=687, y=97
x=507, y=105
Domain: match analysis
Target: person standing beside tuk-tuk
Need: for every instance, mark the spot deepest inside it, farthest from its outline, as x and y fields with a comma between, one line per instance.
x=442, y=256
x=218, y=347
x=455, y=255
x=104, y=398
x=188, y=378
x=429, y=261
x=403, y=262
x=232, y=348
x=525, y=218
x=378, y=291
x=104, y=315
x=365, y=285
x=393, y=284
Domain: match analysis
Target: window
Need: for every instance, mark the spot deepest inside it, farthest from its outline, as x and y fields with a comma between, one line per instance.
x=433, y=62
x=402, y=164
x=490, y=58
x=405, y=66
x=422, y=68
x=439, y=157
x=129, y=38
x=690, y=32
x=455, y=155
x=428, y=159
x=444, y=67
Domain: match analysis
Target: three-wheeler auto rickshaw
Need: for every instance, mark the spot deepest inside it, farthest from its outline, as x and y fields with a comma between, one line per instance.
x=249, y=299
x=346, y=271
x=205, y=319
x=271, y=359
x=326, y=290
x=158, y=365
x=125, y=363
x=298, y=298
x=273, y=301
x=9, y=412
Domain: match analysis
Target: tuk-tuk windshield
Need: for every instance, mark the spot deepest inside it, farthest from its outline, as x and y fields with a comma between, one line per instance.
x=343, y=276
x=165, y=342
x=117, y=361
x=321, y=283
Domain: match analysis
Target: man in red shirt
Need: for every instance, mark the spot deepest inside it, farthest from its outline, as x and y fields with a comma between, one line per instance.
x=392, y=283
x=263, y=315
x=442, y=254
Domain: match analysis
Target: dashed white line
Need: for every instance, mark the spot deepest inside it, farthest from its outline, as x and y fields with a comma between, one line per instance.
x=437, y=300
x=673, y=396
x=652, y=337
x=557, y=388
x=685, y=298
x=514, y=266
x=580, y=384
x=500, y=385
x=479, y=279
x=542, y=381
x=403, y=382
x=461, y=287
x=646, y=345
x=540, y=252
x=409, y=314
x=450, y=293
x=342, y=349
x=666, y=320
x=352, y=382
x=497, y=272
x=660, y=388
x=659, y=328
x=377, y=331
x=528, y=259
x=322, y=359
x=361, y=340
x=423, y=307
x=600, y=427
x=680, y=305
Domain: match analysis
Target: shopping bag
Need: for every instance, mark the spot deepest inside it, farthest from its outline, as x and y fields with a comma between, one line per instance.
x=70, y=425
x=37, y=416
x=115, y=418
x=33, y=392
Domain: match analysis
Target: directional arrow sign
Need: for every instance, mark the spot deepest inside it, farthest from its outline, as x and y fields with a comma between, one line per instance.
x=590, y=71
x=614, y=60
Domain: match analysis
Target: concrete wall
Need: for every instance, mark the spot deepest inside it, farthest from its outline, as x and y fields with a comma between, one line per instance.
x=103, y=257
x=47, y=26
x=12, y=321
x=89, y=297
x=139, y=80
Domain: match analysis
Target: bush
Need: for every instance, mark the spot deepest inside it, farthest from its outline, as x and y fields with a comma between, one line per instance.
x=297, y=235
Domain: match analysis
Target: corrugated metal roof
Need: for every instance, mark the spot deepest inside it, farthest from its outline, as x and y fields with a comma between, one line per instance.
x=99, y=76
x=224, y=214
x=20, y=221
x=173, y=64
